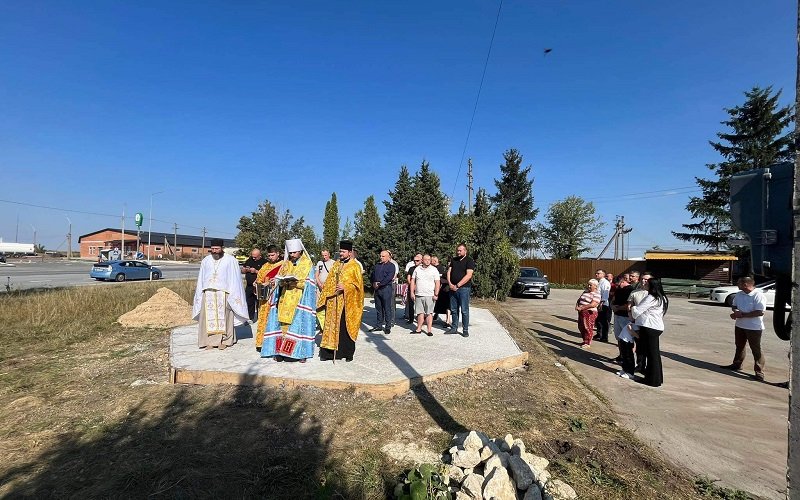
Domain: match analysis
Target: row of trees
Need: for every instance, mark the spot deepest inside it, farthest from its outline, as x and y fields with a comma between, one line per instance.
x=417, y=218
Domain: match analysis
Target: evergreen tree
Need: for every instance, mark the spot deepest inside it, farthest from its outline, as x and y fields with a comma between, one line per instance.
x=347, y=229
x=571, y=224
x=514, y=198
x=368, y=238
x=399, y=222
x=496, y=262
x=758, y=138
x=431, y=230
x=462, y=226
x=330, y=224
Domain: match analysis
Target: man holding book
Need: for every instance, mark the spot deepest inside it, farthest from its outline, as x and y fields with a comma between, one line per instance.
x=291, y=324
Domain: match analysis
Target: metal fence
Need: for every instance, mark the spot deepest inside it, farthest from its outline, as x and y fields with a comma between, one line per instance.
x=566, y=271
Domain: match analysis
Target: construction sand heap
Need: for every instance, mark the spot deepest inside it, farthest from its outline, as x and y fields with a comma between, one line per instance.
x=165, y=309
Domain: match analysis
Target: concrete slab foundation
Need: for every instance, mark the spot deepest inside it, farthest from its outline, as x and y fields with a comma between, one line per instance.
x=384, y=365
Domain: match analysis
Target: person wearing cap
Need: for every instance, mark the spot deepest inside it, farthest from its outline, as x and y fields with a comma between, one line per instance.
x=219, y=301
x=342, y=299
x=266, y=278
x=291, y=324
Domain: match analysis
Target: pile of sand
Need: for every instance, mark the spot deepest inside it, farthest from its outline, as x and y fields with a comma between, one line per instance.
x=165, y=309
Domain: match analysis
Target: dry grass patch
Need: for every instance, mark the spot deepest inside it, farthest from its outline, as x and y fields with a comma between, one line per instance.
x=72, y=425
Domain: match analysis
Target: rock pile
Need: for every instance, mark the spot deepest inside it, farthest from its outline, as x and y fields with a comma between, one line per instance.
x=482, y=468
x=165, y=309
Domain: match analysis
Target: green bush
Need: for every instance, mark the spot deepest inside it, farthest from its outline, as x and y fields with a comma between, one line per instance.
x=424, y=482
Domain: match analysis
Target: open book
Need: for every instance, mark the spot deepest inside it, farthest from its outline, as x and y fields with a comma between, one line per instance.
x=288, y=277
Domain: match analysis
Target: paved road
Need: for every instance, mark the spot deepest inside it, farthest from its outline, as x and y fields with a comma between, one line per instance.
x=715, y=422
x=49, y=274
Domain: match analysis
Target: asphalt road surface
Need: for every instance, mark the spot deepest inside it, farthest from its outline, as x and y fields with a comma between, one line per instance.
x=713, y=421
x=23, y=275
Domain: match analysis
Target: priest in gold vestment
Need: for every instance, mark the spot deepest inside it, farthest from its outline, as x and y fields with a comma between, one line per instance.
x=266, y=279
x=342, y=299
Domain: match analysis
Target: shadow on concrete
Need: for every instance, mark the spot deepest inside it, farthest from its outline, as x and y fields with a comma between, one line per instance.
x=574, y=319
x=253, y=443
x=707, y=303
x=572, y=350
x=432, y=406
x=697, y=363
x=244, y=331
x=571, y=333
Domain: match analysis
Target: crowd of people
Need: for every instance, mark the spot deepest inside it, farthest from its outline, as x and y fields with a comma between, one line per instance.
x=291, y=300
x=637, y=303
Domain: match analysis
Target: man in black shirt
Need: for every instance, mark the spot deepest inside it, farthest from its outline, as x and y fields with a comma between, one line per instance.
x=250, y=270
x=459, y=275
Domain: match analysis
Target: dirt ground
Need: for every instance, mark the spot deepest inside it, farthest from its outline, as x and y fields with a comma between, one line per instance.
x=86, y=411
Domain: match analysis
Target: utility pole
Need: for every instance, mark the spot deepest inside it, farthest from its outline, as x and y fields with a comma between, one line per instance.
x=123, y=234
x=469, y=184
x=34, y=237
x=203, y=246
x=793, y=467
x=69, y=240
x=175, y=241
x=16, y=236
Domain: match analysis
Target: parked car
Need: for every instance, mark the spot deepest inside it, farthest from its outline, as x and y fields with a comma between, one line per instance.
x=2, y=257
x=724, y=294
x=121, y=270
x=531, y=281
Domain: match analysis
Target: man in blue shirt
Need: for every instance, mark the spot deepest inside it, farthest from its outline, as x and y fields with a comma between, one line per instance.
x=382, y=283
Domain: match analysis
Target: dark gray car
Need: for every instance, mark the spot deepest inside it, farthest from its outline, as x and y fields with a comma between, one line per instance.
x=531, y=281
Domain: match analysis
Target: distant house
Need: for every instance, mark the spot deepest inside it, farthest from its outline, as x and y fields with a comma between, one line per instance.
x=162, y=245
x=693, y=265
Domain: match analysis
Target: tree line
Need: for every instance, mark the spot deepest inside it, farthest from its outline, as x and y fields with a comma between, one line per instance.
x=417, y=218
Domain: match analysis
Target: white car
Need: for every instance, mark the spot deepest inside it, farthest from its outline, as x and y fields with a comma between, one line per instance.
x=724, y=294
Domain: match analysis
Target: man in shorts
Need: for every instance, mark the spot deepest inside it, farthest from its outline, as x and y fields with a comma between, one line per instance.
x=425, y=283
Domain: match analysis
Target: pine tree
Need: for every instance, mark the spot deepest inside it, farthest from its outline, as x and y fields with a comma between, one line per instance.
x=571, y=224
x=368, y=240
x=462, y=229
x=496, y=263
x=399, y=223
x=330, y=225
x=514, y=197
x=431, y=231
x=756, y=141
x=347, y=229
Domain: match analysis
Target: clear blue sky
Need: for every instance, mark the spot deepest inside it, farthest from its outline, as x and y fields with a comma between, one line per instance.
x=223, y=104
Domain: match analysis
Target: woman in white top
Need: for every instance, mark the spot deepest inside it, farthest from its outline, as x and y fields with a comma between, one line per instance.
x=648, y=315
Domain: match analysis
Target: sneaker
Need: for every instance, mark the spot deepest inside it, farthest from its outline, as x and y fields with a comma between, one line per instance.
x=585, y=346
x=759, y=377
x=465, y=334
x=626, y=375
x=451, y=331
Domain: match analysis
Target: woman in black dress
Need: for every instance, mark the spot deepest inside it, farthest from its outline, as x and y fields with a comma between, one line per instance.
x=442, y=305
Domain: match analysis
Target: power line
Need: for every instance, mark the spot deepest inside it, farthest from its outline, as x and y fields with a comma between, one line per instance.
x=477, y=98
x=99, y=214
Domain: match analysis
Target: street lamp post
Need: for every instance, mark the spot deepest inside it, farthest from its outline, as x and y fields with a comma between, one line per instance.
x=150, y=225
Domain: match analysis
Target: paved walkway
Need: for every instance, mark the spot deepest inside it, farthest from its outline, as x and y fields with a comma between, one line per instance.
x=714, y=422
x=384, y=365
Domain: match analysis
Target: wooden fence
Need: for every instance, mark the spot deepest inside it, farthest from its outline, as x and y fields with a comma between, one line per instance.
x=579, y=271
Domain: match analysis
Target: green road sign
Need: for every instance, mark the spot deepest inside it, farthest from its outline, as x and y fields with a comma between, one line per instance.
x=139, y=218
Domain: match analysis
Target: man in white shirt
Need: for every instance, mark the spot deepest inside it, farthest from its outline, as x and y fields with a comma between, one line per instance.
x=425, y=283
x=323, y=267
x=749, y=305
x=603, y=310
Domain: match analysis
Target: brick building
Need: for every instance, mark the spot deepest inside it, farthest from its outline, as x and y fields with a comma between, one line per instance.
x=162, y=245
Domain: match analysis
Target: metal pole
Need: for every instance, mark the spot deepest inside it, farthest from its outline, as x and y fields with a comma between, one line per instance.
x=34, y=237
x=122, y=255
x=175, y=243
x=150, y=226
x=793, y=468
x=69, y=239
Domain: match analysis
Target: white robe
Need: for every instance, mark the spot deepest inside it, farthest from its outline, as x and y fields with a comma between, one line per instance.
x=228, y=278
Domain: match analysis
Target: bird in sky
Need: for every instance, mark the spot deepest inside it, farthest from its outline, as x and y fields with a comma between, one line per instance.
x=547, y=51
